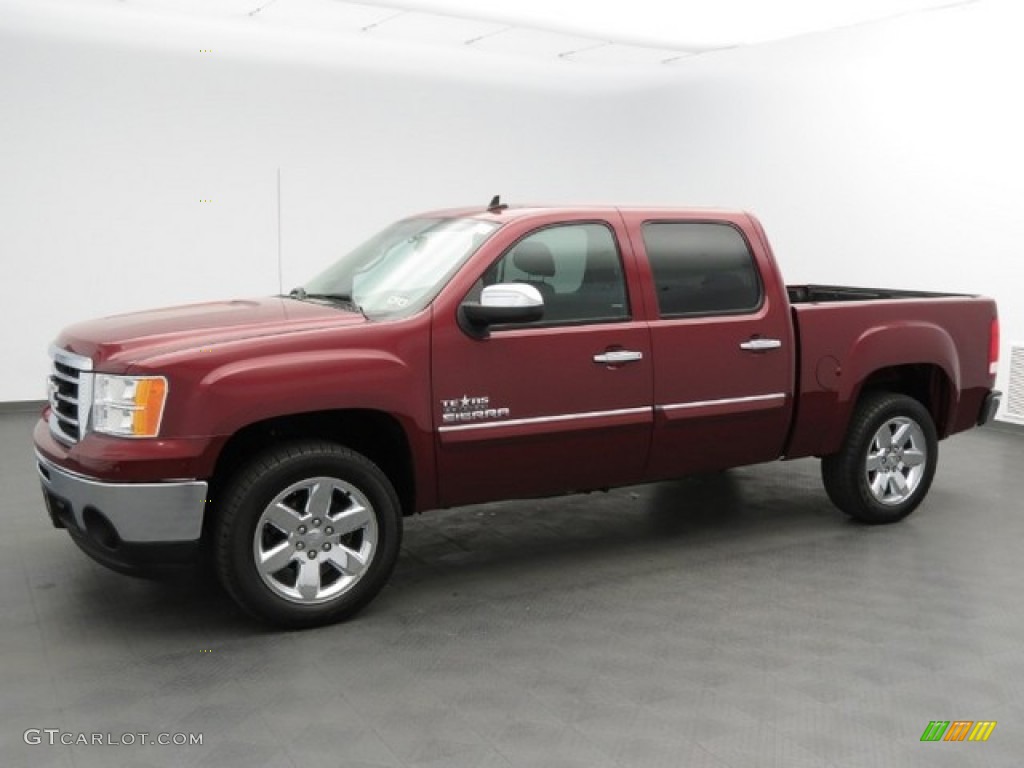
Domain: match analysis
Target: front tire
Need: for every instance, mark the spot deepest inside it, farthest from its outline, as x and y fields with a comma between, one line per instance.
x=887, y=463
x=309, y=533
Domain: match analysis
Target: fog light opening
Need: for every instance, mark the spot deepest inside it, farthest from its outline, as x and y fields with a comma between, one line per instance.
x=100, y=529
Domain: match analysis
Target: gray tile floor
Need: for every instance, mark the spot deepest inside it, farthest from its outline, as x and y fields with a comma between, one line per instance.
x=717, y=622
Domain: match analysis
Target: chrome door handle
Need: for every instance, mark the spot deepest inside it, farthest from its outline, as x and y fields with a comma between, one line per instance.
x=760, y=345
x=617, y=356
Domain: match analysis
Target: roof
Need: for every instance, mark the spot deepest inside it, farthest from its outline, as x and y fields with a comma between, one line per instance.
x=512, y=212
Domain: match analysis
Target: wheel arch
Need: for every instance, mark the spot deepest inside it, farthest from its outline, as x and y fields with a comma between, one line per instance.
x=918, y=359
x=377, y=435
x=927, y=383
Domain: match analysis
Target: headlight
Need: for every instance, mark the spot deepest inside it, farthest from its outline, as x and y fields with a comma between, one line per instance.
x=128, y=406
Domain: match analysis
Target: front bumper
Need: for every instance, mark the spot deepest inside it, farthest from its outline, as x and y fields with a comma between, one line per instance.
x=126, y=524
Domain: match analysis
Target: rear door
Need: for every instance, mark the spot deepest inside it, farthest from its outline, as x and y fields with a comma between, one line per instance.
x=721, y=339
x=559, y=405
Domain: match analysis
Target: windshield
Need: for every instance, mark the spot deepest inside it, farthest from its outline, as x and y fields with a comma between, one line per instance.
x=402, y=269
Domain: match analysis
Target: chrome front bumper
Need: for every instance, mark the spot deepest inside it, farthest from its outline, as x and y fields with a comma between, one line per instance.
x=138, y=513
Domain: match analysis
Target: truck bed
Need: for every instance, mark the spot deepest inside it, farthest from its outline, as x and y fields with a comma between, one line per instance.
x=941, y=341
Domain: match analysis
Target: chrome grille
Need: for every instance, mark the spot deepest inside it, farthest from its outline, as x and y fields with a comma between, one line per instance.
x=70, y=395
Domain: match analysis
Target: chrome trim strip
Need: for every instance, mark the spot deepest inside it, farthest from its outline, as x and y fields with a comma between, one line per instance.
x=602, y=414
x=723, y=401
x=85, y=391
x=70, y=359
x=545, y=419
x=59, y=434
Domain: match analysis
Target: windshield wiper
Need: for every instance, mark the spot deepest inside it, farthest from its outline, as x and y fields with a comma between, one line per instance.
x=302, y=294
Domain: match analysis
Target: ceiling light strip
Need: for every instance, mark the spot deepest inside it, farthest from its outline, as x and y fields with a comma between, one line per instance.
x=486, y=35
x=374, y=24
x=567, y=54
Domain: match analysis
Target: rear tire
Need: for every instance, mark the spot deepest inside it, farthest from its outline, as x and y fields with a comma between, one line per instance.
x=887, y=462
x=308, y=534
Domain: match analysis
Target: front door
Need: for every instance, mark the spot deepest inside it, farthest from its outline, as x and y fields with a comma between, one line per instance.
x=559, y=405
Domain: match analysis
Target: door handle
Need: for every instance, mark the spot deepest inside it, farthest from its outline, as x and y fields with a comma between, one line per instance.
x=618, y=356
x=760, y=345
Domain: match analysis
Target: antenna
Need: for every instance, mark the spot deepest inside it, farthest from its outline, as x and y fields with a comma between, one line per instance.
x=496, y=205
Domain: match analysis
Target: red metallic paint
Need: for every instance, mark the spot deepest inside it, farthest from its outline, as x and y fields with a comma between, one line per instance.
x=868, y=336
x=699, y=360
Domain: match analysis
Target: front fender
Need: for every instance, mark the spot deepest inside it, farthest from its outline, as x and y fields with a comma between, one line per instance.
x=239, y=393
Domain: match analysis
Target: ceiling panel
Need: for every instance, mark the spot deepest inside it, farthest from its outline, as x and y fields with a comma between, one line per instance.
x=636, y=33
x=614, y=54
x=688, y=24
x=323, y=15
x=217, y=8
x=427, y=28
x=532, y=42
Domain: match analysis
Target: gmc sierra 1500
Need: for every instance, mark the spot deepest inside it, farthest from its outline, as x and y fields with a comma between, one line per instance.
x=481, y=354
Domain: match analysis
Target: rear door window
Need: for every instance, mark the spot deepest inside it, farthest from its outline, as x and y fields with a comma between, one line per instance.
x=701, y=268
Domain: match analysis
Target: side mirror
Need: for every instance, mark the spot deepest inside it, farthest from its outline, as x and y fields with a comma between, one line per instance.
x=502, y=303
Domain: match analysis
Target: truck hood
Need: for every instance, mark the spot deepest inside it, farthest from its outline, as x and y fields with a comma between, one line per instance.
x=124, y=339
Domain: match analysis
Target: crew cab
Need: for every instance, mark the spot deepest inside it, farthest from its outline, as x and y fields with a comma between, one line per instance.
x=483, y=354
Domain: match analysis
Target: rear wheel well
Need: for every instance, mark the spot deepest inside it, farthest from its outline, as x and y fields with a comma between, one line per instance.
x=376, y=435
x=928, y=384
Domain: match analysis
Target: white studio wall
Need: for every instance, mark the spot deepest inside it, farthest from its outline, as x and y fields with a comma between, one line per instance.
x=888, y=154
x=114, y=138
x=885, y=154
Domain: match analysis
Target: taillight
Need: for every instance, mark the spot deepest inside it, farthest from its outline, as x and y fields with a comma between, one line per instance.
x=993, y=347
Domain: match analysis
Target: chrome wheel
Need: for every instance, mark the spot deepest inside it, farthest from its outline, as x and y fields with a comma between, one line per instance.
x=315, y=540
x=887, y=462
x=896, y=459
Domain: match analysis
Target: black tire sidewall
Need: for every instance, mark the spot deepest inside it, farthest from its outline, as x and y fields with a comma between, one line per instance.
x=854, y=495
x=249, y=497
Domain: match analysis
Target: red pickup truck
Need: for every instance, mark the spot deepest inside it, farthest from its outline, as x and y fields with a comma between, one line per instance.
x=473, y=355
